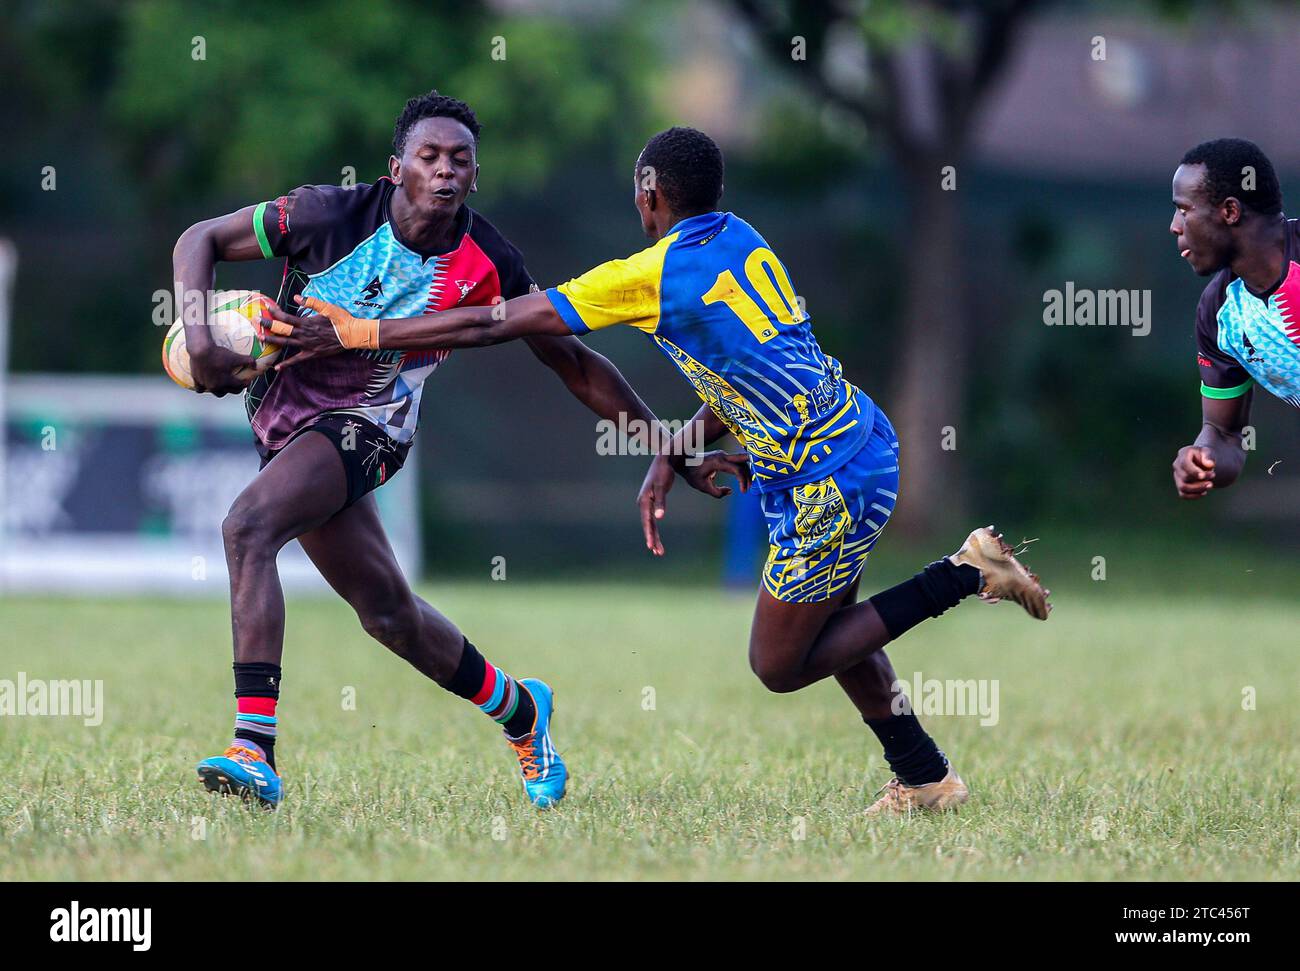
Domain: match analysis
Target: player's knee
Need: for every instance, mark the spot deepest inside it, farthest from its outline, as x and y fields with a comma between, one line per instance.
x=246, y=528
x=777, y=676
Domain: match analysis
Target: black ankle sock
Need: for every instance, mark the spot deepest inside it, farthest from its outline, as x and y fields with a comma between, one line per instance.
x=467, y=682
x=521, y=722
x=939, y=586
x=265, y=742
x=468, y=679
x=258, y=680
x=910, y=752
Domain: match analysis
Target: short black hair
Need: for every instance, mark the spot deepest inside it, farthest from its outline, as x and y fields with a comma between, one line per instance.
x=1225, y=160
x=687, y=167
x=432, y=105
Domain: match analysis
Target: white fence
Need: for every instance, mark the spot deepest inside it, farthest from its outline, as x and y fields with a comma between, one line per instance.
x=119, y=485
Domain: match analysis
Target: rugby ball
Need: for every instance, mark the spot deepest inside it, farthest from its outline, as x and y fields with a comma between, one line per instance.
x=233, y=318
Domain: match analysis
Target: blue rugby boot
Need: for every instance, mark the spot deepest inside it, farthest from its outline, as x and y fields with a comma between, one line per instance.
x=545, y=775
x=242, y=772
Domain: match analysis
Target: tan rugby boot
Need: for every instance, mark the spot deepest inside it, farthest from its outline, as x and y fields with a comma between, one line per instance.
x=1005, y=578
x=899, y=799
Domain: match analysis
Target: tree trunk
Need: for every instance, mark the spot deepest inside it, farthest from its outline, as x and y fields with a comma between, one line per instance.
x=930, y=395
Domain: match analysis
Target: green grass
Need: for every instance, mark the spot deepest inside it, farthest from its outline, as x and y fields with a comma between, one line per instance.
x=1123, y=714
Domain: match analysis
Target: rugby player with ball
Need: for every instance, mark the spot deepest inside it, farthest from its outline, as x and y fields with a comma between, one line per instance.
x=335, y=428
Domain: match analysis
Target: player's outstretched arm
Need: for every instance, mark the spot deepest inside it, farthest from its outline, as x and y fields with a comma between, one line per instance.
x=226, y=238
x=594, y=380
x=332, y=327
x=1216, y=458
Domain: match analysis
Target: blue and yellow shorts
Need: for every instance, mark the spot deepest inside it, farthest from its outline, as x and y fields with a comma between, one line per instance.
x=821, y=532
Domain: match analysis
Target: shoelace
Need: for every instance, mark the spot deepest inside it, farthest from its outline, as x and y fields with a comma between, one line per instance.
x=241, y=754
x=893, y=785
x=526, y=755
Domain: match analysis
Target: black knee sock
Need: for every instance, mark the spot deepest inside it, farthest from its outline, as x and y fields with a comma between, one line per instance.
x=499, y=696
x=910, y=752
x=939, y=586
x=261, y=681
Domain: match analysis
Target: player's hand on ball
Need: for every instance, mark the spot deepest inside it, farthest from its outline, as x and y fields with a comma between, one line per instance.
x=1194, y=471
x=213, y=369
x=651, y=501
x=702, y=475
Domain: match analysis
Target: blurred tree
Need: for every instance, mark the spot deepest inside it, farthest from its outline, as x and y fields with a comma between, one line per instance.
x=205, y=95
x=929, y=66
x=159, y=112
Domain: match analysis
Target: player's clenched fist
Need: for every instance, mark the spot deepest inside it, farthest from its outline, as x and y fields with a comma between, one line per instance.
x=1194, y=471
x=213, y=370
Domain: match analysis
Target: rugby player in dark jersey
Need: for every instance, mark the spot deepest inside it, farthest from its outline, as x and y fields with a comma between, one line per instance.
x=332, y=430
x=1229, y=224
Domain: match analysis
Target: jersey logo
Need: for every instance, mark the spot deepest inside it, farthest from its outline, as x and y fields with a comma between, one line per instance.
x=371, y=293
x=1252, y=355
x=801, y=405
x=465, y=286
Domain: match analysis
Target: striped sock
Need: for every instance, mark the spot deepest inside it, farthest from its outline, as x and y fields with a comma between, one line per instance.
x=257, y=690
x=497, y=695
x=255, y=722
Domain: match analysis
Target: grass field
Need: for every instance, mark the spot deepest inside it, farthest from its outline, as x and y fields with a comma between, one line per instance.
x=1121, y=751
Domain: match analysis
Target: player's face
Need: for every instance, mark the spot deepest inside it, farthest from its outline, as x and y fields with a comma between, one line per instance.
x=439, y=166
x=1204, y=238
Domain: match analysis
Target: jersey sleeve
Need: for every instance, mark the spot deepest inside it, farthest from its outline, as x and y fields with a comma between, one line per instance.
x=517, y=280
x=1222, y=375
x=618, y=292
x=294, y=224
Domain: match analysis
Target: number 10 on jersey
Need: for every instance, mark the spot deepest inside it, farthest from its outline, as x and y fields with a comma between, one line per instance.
x=768, y=278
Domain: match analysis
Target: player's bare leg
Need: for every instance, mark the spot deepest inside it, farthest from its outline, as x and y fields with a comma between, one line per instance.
x=302, y=487
x=783, y=636
x=869, y=683
x=872, y=686
x=793, y=645
x=353, y=554
x=786, y=636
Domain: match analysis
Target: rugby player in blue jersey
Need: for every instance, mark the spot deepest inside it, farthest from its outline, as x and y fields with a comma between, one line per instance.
x=716, y=300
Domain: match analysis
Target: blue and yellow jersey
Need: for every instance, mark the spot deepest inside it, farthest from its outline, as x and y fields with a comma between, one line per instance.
x=714, y=297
